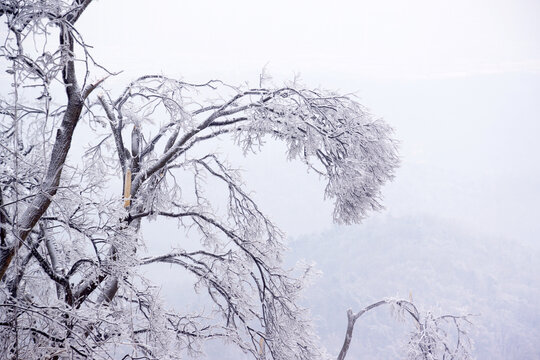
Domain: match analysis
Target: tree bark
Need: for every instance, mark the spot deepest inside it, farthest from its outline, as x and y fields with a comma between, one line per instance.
x=351, y=319
x=61, y=147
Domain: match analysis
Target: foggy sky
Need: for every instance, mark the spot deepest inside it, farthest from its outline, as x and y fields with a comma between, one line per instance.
x=457, y=80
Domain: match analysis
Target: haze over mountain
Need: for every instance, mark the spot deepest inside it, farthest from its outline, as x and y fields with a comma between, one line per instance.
x=442, y=266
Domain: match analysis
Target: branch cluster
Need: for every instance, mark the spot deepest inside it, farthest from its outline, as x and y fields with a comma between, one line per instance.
x=72, y=255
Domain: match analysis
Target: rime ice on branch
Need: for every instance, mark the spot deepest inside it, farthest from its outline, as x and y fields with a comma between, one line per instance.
x=72, y=253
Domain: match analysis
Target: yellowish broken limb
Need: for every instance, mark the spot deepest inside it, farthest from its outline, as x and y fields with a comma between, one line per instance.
x=261, y=346
x=127, y=188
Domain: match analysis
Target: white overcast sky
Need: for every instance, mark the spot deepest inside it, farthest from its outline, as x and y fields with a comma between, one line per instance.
x=387, y=39
x=458, y=80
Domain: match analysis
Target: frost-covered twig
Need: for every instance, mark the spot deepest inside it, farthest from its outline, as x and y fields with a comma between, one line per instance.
x=431, y=339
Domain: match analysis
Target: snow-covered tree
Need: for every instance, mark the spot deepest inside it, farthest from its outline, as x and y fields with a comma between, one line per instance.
x=433, y=338
x=71, y=250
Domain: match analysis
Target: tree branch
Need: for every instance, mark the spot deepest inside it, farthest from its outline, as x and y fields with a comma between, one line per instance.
x=351, y=320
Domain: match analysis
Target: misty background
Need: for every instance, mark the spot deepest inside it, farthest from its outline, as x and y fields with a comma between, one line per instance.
x=458, y=81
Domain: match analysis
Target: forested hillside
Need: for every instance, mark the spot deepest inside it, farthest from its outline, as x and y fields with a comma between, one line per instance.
x=443, y=267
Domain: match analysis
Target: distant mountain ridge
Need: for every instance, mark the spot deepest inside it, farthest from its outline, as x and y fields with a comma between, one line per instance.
x=442, y=266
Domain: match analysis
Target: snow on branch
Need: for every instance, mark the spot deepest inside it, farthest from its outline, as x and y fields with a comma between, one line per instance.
x=433, y=337
x=334, y=135
x=72, y=253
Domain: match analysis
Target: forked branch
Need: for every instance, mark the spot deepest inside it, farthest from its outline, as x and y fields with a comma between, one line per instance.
x=430, y=339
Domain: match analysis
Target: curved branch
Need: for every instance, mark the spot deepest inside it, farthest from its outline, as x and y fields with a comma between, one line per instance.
x=351, y=320
x=428, y=340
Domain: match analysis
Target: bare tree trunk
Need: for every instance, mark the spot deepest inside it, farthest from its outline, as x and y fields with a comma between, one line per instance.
x=351, y=319
x=61, y=147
